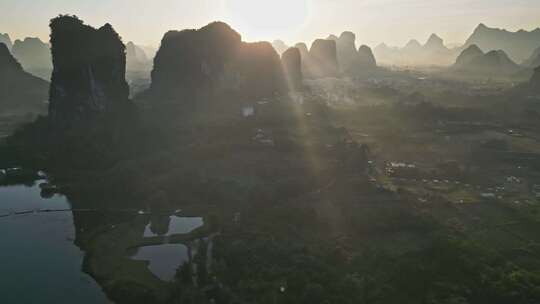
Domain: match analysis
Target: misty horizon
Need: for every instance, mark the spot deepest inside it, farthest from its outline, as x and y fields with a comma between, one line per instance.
x=304, y=21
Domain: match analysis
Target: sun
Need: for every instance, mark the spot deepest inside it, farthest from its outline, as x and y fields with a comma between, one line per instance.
x=267, y=19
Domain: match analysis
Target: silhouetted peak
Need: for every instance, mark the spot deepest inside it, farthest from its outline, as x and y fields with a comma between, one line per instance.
x=496, y=61
x=323, y=52
x=323, y=46
x=332, y=37
x=481, y=27
x=18, y=89
x=347, y=53
x=292, y=52
x=434, y=41
x=223, y=30
x=348, y=36
x=89, y=70
x=279, y=46
x=107, y=27
x=366, y=57
x=413, y=44
x=196, y=65
x=292, y=66
x=136, y=58
x=5, y=39
x=302, y=47
x=468, y=55
x=7, y=61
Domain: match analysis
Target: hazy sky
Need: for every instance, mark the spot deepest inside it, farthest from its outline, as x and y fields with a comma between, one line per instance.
x=374, y=21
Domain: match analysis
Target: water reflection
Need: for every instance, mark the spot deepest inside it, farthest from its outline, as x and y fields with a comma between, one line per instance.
x=163, y=260
x=40, y=263
x=52, y=252
x=169, y=225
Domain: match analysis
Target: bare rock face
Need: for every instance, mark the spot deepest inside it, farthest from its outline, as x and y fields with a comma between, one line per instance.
x=366, y=59
x=88, y=79
x=292, y=66
x=323, y=57
x=193, y=65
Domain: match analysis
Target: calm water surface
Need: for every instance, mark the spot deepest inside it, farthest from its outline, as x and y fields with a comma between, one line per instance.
x=38, y=261
x=164, y=259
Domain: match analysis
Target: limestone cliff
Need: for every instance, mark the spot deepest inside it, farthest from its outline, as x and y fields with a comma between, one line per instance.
x=89, y=71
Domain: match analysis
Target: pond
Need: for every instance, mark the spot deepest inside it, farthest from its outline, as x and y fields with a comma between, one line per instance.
x=39, y=261
x=164, y=259
x=169, y=225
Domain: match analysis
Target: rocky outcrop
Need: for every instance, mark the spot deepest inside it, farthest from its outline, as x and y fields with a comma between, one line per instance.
x=352, y=61
x=34, y=55
x=518, y=45
x=19, y=91
x=303, y=49
x=259, y=70
x=5, y=39
x=323, y=59
x=292, y=66
x=195, y=65
x=88, y=79
x=346, y=52
x=366, y=58
x=136, y=59
x=279, y=46
x=468, y=55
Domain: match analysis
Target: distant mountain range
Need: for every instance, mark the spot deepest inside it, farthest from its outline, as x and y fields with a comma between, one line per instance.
x=474, y=60
x=433, y=52
x=34, y=56
x=19, y=90
x=518, y=45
